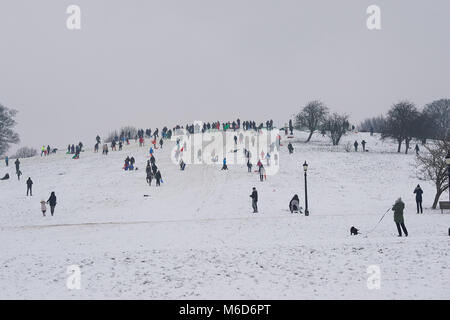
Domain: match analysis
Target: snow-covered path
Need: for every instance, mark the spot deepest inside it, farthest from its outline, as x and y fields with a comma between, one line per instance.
x=195, y=237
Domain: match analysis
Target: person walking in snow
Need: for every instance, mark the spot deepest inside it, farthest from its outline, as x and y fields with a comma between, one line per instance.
x=17, y=163
x=224, y=167
x=356, y=146
x=418, y=191
x=294, y=204
x=254, y=197
x=105, y=149
x=52, y=202
x=417, y=148
x=161, y=142
x=6, y=160
x=290, y=148
x=29, y=186
x=262, y=173
x=48, y=150
x=158, y=178
x=249, y=165
x=43, y=207
x=398, y=208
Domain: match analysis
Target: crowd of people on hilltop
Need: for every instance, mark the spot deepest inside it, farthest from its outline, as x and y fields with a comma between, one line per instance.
x=224, y=126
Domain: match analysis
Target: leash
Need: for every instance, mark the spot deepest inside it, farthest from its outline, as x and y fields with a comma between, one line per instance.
x=378, y=222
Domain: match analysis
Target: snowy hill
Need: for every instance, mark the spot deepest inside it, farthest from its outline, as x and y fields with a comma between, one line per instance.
x=196, y=235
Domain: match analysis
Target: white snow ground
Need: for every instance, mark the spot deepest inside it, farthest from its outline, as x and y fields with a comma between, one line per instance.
x=196, y=237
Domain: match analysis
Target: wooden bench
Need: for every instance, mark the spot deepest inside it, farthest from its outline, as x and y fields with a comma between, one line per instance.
x=444, y=205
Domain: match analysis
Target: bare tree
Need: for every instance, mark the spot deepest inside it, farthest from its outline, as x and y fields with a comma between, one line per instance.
x=25, y=152
x=401, y=123
x=375, y=124
x=431, y=166
x=336, y=126
x=7, y=134
x=311, y=117
x=438, y=114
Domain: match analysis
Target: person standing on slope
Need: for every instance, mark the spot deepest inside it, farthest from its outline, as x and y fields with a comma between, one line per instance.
x=418, y=191
x=398, y=208
x=52, y=202
x=254, y=197
x=29, y=186
x=224, y=167
x=290, y=148
x=6, y=160
x=363, y=143
x=17, y=163
x=158, y=178
x=356, y=146
x=262, y=173
x=249, y=165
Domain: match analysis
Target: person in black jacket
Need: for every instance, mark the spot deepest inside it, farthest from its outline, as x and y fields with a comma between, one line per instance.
x=6, y=177
x=418, y=191
x=52, y=202
x=294, y=204
x=290, y=148
x=158, y=178
x=249, y=165
x=254, y=197
x=29, y=186
x=17, y=163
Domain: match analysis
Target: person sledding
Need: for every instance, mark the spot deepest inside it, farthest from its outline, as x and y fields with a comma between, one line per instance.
x=294, y=205
x=5, y=177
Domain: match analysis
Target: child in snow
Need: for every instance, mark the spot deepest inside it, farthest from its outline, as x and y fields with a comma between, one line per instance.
x=43, y=207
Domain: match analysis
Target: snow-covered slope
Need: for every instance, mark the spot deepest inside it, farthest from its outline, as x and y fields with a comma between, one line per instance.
x=196, y=235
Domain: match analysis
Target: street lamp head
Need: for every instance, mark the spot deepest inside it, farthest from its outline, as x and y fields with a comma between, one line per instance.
x=305, y=166
x=447, y=159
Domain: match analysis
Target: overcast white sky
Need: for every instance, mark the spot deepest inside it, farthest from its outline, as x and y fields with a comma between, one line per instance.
x=153, y=63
